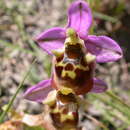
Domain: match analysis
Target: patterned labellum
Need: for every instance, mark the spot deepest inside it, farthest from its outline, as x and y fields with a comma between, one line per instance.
x=73, y=67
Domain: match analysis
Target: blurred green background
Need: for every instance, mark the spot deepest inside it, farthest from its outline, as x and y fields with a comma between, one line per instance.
x=22, y=20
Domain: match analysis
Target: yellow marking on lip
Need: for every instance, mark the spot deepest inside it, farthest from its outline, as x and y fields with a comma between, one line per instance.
x=65, y=117
x=70, y=74
x=79, y=66
x=61, y=64
x=56, y=110
x=51, y=98
x=86, y=68
x=58, y=52
x=90, y=58
x=66, y=90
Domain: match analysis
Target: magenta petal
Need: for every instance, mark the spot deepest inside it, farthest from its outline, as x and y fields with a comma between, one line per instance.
x=104, y=48
x=39, y=91
x=80, y=17
x=51, y=39
x=99, y=86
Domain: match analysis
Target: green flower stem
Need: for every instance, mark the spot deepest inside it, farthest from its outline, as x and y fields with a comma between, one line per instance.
x=2, y=116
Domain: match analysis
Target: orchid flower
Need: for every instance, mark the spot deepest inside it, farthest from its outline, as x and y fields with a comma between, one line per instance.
x=75, y=54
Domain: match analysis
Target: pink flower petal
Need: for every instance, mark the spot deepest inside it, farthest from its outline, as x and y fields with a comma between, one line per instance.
x=51, y=39
x=80, y=17
x=104, y=48
x=39, y=91
x=99, y=86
